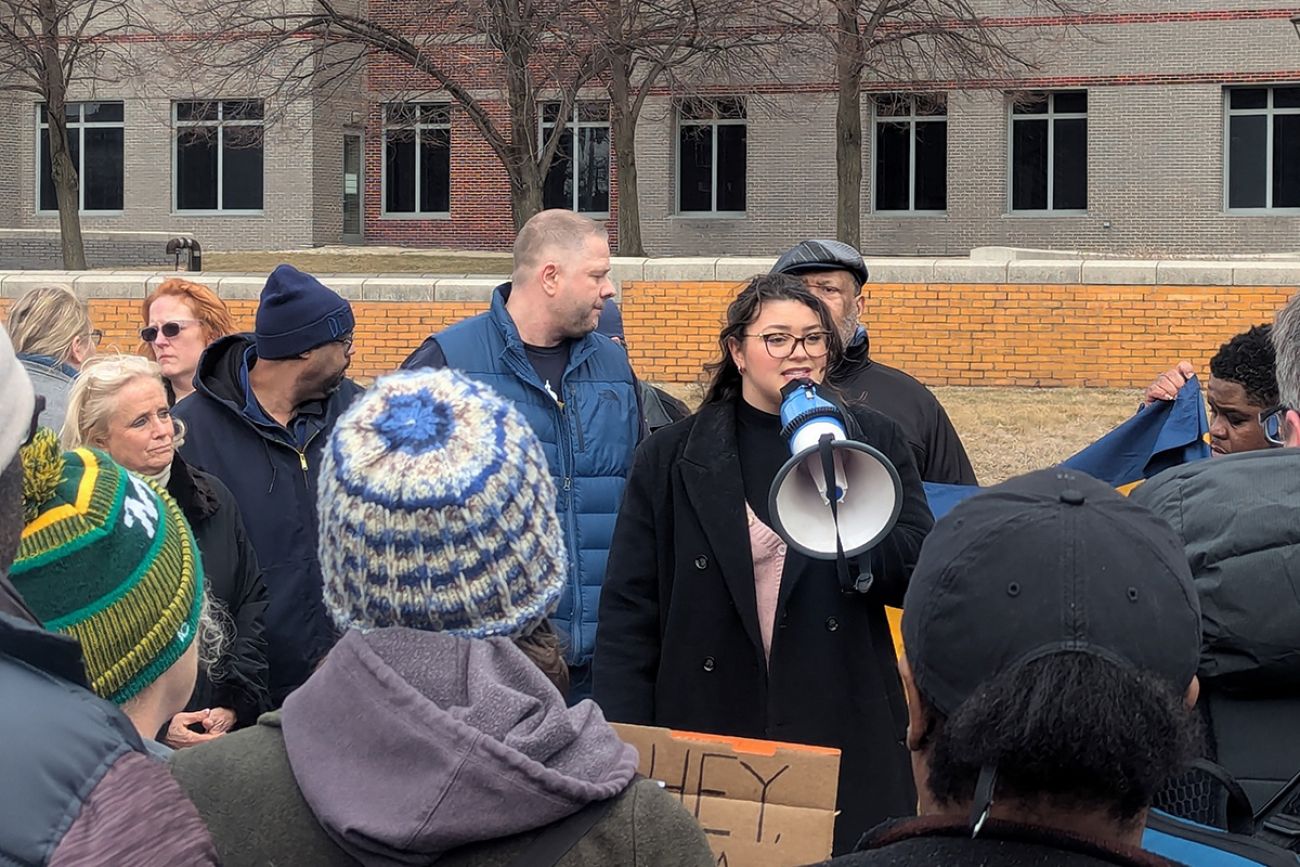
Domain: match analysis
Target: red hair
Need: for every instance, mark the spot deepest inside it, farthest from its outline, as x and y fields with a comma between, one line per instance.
x=209, y=310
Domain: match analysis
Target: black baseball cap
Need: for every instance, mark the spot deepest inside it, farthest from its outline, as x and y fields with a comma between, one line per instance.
x=822, y=255
x=1050, y=562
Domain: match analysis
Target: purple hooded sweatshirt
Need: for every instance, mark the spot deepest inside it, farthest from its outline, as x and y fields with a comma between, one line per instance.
x=407, y=744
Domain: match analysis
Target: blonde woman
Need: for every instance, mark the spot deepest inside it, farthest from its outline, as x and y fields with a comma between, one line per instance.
x=119, y=405
x=52, y=335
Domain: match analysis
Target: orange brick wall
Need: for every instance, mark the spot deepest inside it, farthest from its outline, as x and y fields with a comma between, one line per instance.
x=944, y=334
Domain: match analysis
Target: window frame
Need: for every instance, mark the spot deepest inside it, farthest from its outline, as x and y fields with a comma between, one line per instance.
x=1051, y=116
x=221, y=123
x=713, y=123
x=912, y=118
x=1269, y=112
x=79, y=125
x=573, y=124
x=417, y=127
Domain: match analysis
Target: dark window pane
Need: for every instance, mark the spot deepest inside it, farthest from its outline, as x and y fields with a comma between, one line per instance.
x=196, y=111
x=1029, y=165
x=72, y=111
x=557, y=189
x=1248, y=97
x=1286, y=97
x=42, y=114
x=102, y=182
x=893, y=105
x=1286, y=161
x=550, y=112
x=593, y=112
x=1070, y=165
x=399, y=168
x=435, y=170
x=241, y=170
x=1072, y=102
x=1029, y=103
x=196, y=169
x=731, y=108
x=593, y=170
x=695, y=168
x=1247, y=161
x=400, y=113
x=893, y=149
x=244, y=109
x=49, y=200
x=435, y=114
x=932, y=104
x=731, y=167
x=102, y=112
x=932, y=166
x=696, y=109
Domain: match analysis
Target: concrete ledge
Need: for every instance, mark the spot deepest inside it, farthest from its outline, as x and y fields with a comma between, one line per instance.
x=742, y=270
x=902, y=270
x=1044, y=271
x=465, y=290
x=681, y=269
x=1266, y=274
x=1119, y=272
x=1193, y=273
x=965, y=271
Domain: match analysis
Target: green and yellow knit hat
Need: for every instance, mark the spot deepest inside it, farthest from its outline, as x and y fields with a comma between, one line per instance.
x=107, y=558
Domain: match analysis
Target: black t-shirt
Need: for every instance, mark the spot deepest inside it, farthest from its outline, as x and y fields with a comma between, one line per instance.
x=762, y=454
x=550, y=362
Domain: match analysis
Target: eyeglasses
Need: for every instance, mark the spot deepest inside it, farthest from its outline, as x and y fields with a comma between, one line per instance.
x=1273, y=423
x=346, y=340
x=95, y=336
x=167, y=329
x=36, y=419
x=782, y=345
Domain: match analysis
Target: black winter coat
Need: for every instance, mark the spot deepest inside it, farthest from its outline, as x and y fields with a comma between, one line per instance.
x=275, y=486
x=679, y=642
x=235, y=581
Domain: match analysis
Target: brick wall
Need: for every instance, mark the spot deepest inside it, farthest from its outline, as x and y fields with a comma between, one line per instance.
x=983, y=334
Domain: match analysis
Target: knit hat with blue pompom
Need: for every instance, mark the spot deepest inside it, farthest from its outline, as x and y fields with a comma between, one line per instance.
x=437, y=512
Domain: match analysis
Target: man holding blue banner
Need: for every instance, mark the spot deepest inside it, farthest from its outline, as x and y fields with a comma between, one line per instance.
x=1239, y=521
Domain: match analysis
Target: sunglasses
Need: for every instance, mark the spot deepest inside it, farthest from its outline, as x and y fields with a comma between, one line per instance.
x=167, y=329
x=1272, y=421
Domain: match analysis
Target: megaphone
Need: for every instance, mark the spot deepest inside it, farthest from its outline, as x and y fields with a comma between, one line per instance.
x=836, y=498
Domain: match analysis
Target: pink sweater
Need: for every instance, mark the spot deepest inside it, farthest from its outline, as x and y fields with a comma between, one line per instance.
x=768, y=552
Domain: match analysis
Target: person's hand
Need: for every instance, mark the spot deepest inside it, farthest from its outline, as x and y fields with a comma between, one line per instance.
x=180, y=735
x=1168, y=383
x=220, y=720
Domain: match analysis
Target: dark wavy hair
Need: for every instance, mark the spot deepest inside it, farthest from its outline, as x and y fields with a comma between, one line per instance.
x=1070, y=730
x=724, y=384
x=1250, y=360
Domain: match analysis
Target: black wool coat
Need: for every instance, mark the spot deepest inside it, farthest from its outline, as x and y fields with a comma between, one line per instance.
x=234, y=580
x=679, y=642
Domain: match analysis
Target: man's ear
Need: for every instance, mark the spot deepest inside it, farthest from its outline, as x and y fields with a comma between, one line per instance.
x=1193, y=693
x=915, y=716
x=1292, y=427
x=549, y=277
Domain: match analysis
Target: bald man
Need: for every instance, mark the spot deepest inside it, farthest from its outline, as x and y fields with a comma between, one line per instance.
x=538, y=347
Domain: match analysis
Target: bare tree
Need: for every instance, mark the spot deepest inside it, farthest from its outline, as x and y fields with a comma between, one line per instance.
x=906, y=41
x=477, y=52
x=47, y=47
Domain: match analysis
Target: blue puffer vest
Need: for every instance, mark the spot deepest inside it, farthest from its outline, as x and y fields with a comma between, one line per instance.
x=589, y=440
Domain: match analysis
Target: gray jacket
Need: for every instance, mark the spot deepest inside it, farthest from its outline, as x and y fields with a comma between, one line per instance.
x=1239, y=519
x=52, y=381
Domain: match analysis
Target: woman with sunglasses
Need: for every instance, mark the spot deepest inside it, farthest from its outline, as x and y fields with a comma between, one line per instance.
x=52, y=335
x=709, y=623
x=180, y=320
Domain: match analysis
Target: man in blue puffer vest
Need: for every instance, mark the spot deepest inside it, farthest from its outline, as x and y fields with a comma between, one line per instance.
x=538, y=348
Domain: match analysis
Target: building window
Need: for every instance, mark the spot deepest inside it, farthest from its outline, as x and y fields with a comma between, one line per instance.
x=417, y=158
x=911, y=159
x=1263, y=158
x=1049, y=151
x=578, y=179
x=711, y=156
x=95, y=134
x=219, y=147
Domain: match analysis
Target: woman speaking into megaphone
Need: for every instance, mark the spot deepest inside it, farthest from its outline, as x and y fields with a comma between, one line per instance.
x=710, y=621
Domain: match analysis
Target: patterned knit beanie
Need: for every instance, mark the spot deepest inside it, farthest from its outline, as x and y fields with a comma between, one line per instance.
x=107, y=558
x=437, y=512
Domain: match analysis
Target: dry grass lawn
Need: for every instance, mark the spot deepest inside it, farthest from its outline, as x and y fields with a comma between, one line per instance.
x=334, y=261
x=1008, y=431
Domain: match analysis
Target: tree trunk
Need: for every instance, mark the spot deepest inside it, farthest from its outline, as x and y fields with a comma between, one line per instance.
x=525, y=194
x=848, y=128
x=66, y=181
x=622, y=122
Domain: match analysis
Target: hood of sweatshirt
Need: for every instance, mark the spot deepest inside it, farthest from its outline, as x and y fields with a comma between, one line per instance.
x=407, y=744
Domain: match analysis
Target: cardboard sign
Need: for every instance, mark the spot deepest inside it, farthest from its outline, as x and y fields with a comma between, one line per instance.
x=760, y=803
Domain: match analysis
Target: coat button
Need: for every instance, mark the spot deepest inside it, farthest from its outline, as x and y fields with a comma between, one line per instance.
x=832, y=624
x=708, y=663
x=781, y=549
x=701, y=562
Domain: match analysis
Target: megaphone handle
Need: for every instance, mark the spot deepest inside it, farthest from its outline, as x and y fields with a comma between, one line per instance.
x=847, y=584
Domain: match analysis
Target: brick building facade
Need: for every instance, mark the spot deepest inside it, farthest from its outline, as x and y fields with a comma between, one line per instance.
x=1153, y=128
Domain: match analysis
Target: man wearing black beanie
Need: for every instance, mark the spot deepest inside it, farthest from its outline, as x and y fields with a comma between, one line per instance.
x=262, y=409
